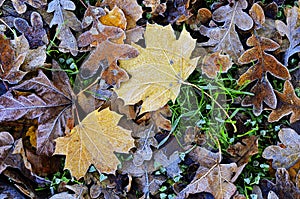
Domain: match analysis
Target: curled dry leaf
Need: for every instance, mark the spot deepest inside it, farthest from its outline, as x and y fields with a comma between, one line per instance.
x=242, y=151
x=292, y=31
x=51, y=103
x=167, y=63
x=287, y=156
x=94, y=141
x=65, y=20
x=132, y=10
x=10, y=64
x=288, y=103
x=214, y=63
x=98, y=32
x=264, y=63
x=35, y=34
x=225, y=38
x=115, y=18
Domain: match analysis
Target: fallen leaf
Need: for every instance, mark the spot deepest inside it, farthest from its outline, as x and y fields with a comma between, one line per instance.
x=288, y=103
x=10, y=64
x=214, y=63
x=93, y=141
x=35, y=34
x=115, y=18
x=65, y=20
x=225, y=38
x=264, y=63
x=51, y=103
x=21, y=7
x=132, y=10
x=167, y=63
x=292, y=32
x=287, y=156
x=242, y=151
x=98, y=32
x=258, y=15
x=284, y=188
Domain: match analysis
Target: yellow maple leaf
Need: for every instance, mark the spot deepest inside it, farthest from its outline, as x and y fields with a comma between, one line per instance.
x=160, y=69
x=93, y=141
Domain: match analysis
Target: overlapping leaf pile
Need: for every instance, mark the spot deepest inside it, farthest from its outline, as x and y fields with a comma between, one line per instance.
x=110, y=115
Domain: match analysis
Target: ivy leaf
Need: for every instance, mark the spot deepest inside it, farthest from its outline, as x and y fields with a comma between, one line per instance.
x=288, y=103
x=167, y=63
x=289, y=154
x=94, y=141
x=65, y=20
x=225, y=38
x=264, y=63
x=292, y=32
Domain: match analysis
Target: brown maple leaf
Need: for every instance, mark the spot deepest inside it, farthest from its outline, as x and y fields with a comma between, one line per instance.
x=51, y=103
x=264, y=63
x=288, y=103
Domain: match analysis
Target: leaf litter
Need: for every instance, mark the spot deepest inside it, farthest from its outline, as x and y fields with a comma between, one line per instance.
x=117, y=106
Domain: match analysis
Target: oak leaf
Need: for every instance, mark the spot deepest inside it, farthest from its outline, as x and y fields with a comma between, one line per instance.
x=65, y=20
x=287, y=156
x=167, y=63
x=264, y=63
x=225, y=38
x=39, y=98
x=93, y=141
x=288, y=103
x=21, y=7
x=292, y=32
x=115, y=18
x=35, y=34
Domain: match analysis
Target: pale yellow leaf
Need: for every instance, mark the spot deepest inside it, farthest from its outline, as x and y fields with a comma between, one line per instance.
x=94, y=141
x=160, y=69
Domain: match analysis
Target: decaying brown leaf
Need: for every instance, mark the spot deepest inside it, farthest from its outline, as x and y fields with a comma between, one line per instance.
x=284, y=188
x=35, y=34
x=10, y=64
x=287, y=156
x=292, y=32
x=132, y=10
x=212, y=177
x=65, y=19
x=242, y=151
x=98, y=31
x=288, y=103
x=214, y=63
x=264, y=63
x=167, y=63
x=39, y=98
x=93, y=141
x=225, y=38
x=105, y=62
x=258, y=15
